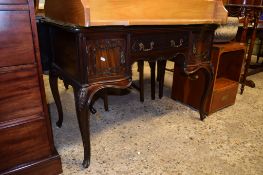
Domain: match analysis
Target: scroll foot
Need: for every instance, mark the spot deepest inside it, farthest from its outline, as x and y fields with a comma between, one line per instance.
x=59, y=123
x=202, y=117
x=92, y=109
x=86, y=163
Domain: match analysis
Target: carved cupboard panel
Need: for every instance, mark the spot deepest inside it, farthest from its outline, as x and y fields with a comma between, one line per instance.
x=106, y=58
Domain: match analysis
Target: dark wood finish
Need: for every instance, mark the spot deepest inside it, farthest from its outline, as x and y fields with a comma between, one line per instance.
x=160, y=73
x=152, y=66
x=227, y=60
x=26, y=138
x=45, y=166
x=95, y=58
x=250, y=11
x=14, y=38
x=141, y=79
x=245, y=2
x=24, y=143
x=16, y=87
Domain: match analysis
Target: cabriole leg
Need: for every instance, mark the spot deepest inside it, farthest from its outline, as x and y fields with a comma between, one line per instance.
x=53, y=81
x=83, y=114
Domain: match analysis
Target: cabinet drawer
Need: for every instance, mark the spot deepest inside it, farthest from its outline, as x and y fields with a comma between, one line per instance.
x=13, y=2
x=224, y=94
x=19, y=94
x=143, y=43
x=23, y=143
x=16, y=42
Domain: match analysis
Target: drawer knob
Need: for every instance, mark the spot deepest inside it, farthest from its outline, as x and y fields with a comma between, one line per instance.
x=141, y=46
x=176, y=45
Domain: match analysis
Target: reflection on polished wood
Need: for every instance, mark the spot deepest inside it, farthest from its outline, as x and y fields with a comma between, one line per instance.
x=136, y=12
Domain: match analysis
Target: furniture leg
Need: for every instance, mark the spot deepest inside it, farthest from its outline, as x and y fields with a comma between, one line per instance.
x=161, y=64
x=208, y=74
x=158, y=70
x=105, y=100
x=244, y=80
x=53, y=81
x=259, y=50
x=152, y=66
x=66, y=85
x=141, y=78
x=83, y=120
x=91, y=108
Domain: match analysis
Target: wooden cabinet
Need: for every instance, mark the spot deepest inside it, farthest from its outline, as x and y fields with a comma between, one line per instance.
x=26, y=142
x=227, y=60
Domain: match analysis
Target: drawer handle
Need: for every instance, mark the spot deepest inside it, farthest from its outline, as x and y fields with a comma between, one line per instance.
x=174, y=45
x=141, y=45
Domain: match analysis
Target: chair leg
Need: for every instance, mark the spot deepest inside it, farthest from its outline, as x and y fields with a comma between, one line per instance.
x=152, y=66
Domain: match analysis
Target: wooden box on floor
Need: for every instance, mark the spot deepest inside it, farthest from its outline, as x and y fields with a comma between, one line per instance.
x=26, y=142
x=227, y=60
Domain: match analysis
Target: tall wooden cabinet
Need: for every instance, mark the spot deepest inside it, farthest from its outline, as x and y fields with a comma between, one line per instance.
x=26, y=142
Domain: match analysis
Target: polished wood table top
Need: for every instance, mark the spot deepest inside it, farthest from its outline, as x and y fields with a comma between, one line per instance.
x=136, y=12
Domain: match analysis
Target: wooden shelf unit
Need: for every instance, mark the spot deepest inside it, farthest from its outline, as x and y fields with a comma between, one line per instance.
x=227, y=60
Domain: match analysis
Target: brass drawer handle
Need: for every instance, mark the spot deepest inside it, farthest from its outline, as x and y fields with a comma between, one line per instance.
x=141, y=45
x=174, y=45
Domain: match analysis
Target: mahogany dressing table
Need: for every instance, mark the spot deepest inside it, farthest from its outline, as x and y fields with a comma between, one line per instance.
x=94, y=43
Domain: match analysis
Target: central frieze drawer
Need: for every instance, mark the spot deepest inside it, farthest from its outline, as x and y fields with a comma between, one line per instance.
x=142, y=43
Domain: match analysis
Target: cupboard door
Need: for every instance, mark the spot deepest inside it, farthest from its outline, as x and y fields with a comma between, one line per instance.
x=16, y=41
x=106, y=58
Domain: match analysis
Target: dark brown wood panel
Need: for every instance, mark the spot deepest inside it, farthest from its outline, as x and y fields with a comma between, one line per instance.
x=19, y=94
x=16, y=43
x=161, y=41
x=13, y=2
x=106, y=58
x=47, y=166
x=25, y=143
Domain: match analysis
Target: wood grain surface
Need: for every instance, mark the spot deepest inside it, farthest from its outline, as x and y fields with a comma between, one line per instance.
x=15, y=41
x=136, y=12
